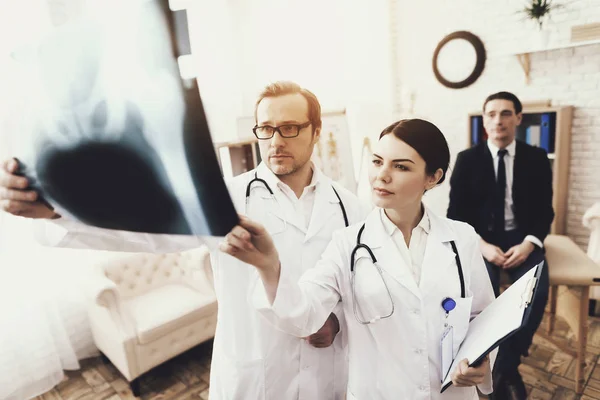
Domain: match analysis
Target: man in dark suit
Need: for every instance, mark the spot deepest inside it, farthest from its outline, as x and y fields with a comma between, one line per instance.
x=503, y=188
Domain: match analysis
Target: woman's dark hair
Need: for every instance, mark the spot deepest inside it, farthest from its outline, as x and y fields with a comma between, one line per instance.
x=426, y=139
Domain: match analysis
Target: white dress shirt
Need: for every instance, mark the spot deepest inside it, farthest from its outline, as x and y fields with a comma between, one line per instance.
x=306, y=201
x=415, y=251
x=509, y=162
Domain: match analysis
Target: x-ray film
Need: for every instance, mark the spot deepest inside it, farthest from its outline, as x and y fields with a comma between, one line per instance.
x=118, y=137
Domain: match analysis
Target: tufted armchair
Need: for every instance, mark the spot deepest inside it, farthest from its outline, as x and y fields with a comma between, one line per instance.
x=152, y=307
x=591, y=220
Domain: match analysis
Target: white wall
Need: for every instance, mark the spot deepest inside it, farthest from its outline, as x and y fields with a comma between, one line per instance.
x=567, y=77
x=213, y=44
x=370, y=57
x=340, y=52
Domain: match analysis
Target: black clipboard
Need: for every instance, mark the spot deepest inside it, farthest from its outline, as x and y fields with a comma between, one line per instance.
x=527, y=297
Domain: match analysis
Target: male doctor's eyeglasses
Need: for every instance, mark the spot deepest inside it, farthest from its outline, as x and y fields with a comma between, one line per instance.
x=265, y=132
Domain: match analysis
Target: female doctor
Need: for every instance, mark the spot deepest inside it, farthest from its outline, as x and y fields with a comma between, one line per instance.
x=409, y=280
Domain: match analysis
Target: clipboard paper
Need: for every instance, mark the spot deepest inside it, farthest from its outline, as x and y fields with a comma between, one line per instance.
x=497, y=322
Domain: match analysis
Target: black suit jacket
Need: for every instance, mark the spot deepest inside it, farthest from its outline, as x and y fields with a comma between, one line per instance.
x=472, y=187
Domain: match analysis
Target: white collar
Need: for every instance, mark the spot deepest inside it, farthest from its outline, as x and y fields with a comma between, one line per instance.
x=510, y=149
x=390, y=227
x=375, y=233
x=273, y=180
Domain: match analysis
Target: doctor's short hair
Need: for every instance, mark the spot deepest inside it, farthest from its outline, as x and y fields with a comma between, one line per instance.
x=281, y=88
x=426, y=139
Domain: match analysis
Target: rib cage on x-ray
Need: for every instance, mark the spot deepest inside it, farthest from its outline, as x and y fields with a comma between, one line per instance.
x=118, y=139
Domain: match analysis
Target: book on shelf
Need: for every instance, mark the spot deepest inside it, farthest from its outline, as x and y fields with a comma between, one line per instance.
x=533, y=135
x=547, y=131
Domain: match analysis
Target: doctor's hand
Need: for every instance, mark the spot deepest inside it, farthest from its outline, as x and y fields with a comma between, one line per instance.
x=516, y=255
x=325, y=336
x=16, y=199
x=251, y=243
x=493, y=254
x=470, y=376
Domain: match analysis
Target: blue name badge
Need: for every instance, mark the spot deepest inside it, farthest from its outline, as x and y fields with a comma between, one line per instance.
x=446, y=352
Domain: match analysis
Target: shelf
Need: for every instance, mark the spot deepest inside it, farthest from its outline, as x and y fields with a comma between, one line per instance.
x=523, y=56
x=560, y=47
x=536, y=107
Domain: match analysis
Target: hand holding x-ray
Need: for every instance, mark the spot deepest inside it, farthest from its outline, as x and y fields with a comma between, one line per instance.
x=251, y=243
x=117, y=137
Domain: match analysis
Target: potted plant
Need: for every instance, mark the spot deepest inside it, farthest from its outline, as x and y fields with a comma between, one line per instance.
x=539, y=11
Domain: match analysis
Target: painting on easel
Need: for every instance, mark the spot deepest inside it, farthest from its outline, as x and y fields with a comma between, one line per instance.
x=332, y=153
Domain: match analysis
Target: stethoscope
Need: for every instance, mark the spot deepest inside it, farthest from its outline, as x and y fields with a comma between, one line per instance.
x=448, y=304
x=256, y=179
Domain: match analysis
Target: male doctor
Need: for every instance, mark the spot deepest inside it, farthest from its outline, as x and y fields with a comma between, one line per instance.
x=251, y=359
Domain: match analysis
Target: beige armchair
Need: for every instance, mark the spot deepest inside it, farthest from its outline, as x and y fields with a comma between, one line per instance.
x=591, y=220
x=152, y=307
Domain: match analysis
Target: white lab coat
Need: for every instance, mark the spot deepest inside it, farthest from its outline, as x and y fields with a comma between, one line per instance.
x=252, y=359
x=397, y=357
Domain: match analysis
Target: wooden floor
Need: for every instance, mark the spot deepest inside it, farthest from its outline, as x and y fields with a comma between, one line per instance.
x=547, y=372
x=185, y=377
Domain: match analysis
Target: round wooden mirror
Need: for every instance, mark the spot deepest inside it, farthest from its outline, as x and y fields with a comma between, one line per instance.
x=459, y=60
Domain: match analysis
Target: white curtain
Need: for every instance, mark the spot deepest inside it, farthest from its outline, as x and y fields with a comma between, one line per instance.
x=43, y=292
x=43, y=307
x=44, y=321
x=44, y=295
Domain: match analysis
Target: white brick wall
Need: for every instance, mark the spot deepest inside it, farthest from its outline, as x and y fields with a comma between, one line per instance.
x=566, y=76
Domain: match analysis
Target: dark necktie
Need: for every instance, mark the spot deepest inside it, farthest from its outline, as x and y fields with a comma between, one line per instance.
x=500, y=193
